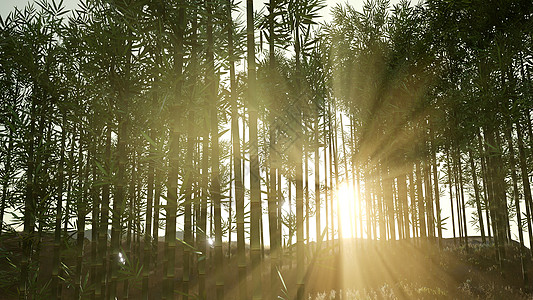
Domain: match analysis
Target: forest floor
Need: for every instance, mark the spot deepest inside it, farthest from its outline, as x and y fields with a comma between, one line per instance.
x=365, y=270
x=408, y=270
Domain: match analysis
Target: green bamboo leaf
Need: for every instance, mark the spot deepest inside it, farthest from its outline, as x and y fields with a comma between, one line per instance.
x=101, y=168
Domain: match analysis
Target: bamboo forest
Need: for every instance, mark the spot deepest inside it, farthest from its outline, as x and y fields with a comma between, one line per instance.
x=269, y=149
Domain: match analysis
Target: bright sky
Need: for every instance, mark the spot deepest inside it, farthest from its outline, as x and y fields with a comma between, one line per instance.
x=7, y=5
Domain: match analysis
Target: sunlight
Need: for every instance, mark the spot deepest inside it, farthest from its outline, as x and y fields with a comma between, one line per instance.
x=121, y=258
x=346, y=197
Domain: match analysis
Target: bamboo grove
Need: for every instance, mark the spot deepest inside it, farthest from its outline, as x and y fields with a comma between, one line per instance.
x=157, y=147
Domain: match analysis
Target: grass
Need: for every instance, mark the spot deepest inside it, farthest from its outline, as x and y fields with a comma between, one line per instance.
x=366, y=270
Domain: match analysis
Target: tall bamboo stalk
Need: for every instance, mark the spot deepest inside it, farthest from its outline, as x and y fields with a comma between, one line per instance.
x=255, y=184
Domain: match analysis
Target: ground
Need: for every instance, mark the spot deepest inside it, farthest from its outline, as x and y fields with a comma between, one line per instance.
x=367, y=270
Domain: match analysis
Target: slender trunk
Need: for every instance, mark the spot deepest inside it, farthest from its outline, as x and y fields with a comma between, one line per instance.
x=45, y=136
x=503, y=191
x=331, y=177
x=483, y=180
x=118, y=203
x=450, y=182
x=145, y=288
x=173, y=175
x=317, y=184
x=280, y=224
x=516, y=196
x=336, y=175
x=477, y=196
x=389, y=201
x=399, y=207
x=306, y=190
x=129, y=247
x=255, y=184
x=402, y=199
x=351, y=201
x=80, y=224
x=356, y=183
x=202, y=237
x=493, y=195
x=525, y=182
x=263, y=232
x=273, y=200
x=215, y=167
x=421, y=206
x=187, y=224
x=338, y=293
x=412, y=196
x=326, y=191
x=465, y=224
x=368, y=204
x=429, y=199
x=458, y=197
x=69, y=185
x=101, y=272
x=95, y=225
x=291, y=227
x=273, y=216
x=29, y=206
x=157, y=199
x=7, y=173
x=298, y=144
x=376, y=208
x=57, y=232
x=378, y=188
x=299, y=217
x=151, y=232
x=237, y=169
x=436, y=184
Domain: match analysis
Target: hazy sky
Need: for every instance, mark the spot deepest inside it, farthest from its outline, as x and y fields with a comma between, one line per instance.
x=7, y=5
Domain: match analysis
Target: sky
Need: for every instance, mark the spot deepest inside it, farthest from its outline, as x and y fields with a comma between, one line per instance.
x=8, y=5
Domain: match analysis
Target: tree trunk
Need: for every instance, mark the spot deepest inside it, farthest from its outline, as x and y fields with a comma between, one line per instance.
x=436, y=183
x=173, y=175
x=273, y=201
x=237, y=171
x=412, y=196
x=317, y=183
x=516, y=196
x=421, y=202
x=82, y=212
x=255, y=184
x=450, y=183
x=57, y=232
x=157, y=200
x=465, y=223
x=326, y=190
x=29, y=205
x=202, y=237
x=429, y=199
x=350, y=202
x=187, y=225
x=525, y=182
x=477, y=196
x=215, y=161
x=485, y=185
x=95, y=224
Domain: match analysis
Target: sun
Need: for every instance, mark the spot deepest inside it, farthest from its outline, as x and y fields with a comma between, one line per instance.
x=346, y=197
